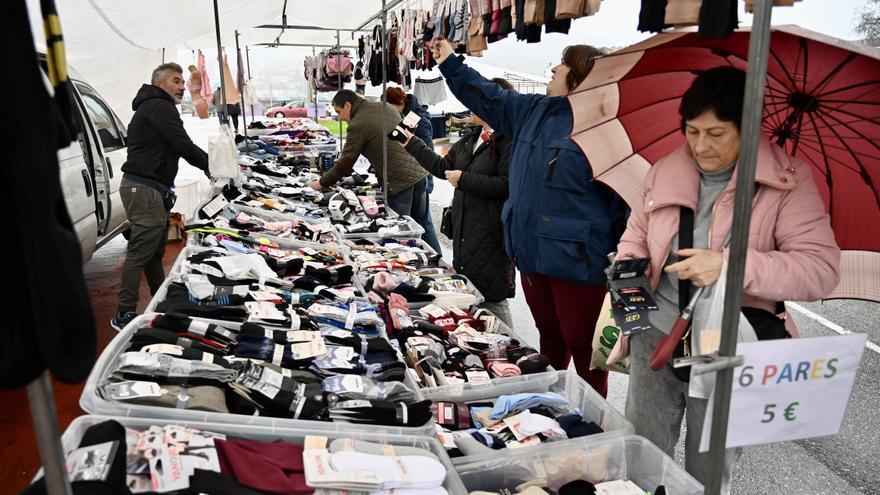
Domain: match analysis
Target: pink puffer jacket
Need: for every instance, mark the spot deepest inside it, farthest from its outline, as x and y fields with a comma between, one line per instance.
x=792, y=252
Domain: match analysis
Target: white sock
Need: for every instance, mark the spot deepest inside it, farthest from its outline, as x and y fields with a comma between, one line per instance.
x=399, y=472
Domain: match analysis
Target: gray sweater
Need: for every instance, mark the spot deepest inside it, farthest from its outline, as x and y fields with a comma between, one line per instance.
x=666, y=295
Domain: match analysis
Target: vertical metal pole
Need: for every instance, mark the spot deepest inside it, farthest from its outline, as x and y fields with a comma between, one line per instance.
x=753, y=107
x=45, y=419
x=315, y=92
x=163, y=54
x=241, y=86
x=339, y=77
x=384, y=88
x=224, y=120
x=247, y=57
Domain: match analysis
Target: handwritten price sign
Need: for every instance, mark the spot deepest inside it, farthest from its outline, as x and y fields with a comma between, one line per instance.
x=790, y=389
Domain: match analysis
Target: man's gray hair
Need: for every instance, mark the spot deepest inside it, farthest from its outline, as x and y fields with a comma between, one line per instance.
x=161, y=72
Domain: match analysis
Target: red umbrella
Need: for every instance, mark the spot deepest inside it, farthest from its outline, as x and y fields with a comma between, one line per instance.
x=822, y=104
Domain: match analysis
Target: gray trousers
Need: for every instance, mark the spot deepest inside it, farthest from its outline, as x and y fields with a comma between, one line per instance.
x=501, y=309
x=146, y=244
x=657, y=402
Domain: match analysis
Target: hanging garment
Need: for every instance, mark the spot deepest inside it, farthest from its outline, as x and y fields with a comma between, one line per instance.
x=194, y=86
x=430, y=91
x=505, y=25
x=718, y=18
x=376, y=62
x=534, y=12
x=49, y=318
x=232, y=96
x=652, y=16
x=682, y=12
x=551, y=23
x=530, y=33
x=206, y=91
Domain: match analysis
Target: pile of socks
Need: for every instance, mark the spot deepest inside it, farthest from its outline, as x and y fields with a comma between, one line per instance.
x=395, y=255
x=509, y=421
x=450, y=345
x=445, y=290
x=332, y=366
x=576, y=487
x=352, y=466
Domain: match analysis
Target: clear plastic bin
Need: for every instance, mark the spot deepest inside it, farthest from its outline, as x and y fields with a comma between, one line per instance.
x=92, y=402
x=363, y=276
x=579, y=394
x=546, y=378
x=71, y=437
x=616, y=456
x=413, y=230
x=179, y=267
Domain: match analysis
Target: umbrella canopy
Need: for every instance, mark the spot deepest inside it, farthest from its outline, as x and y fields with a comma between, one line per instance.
x=822, y=104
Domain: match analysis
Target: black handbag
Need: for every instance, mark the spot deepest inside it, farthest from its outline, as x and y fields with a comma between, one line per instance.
x=446, y=222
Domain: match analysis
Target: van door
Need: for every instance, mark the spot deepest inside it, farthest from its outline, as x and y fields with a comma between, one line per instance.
x=113, y=151
x=77, y=184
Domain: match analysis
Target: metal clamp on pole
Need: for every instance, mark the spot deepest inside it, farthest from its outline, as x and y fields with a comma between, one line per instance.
x=710, y=363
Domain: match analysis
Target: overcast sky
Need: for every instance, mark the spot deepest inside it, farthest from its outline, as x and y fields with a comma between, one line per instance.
x=281, y=69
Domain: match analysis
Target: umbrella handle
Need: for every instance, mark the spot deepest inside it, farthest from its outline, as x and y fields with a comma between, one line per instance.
x=663, y=352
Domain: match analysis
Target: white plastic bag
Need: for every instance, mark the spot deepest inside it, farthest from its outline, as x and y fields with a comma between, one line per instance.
x=706, y=333
x=223, y=156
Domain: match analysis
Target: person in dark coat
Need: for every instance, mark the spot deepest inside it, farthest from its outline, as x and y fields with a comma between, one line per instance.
x=476, y=166
x=156, y=142
x=559, y=223
x=405, y=104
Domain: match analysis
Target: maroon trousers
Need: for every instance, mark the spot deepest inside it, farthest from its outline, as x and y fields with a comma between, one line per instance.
x=565, y=314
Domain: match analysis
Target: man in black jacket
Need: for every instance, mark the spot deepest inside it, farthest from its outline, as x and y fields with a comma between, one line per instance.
x=156, y=142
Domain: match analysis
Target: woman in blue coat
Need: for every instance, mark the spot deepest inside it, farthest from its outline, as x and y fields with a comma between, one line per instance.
x=559, y=223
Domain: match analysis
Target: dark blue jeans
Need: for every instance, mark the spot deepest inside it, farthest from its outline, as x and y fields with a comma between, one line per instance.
x=413, y=201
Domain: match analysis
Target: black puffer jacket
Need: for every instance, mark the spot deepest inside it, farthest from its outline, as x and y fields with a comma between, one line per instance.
x=157, y=139
x=478, y=238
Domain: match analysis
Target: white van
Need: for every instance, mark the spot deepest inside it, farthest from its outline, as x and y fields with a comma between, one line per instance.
x=91, y=169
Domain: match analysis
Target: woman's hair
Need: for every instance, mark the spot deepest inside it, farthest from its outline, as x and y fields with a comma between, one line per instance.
x=395, y=96
x=720, y=89
x=502, y=82
x=579, y=59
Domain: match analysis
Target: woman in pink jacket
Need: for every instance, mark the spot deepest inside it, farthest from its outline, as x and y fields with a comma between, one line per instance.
x=792, y=252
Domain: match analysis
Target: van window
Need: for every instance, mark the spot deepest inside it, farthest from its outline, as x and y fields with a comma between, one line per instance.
x=105, y=124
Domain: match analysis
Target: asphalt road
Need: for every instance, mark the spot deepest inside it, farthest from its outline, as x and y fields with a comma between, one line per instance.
x=846, y=463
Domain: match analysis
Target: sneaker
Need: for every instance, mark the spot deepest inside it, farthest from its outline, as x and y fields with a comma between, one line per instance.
x=122, y=319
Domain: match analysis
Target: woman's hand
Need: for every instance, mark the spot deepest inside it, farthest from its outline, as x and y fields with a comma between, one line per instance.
x=408, y=135
x=441, y=50
x=702, y=266
x=453, y=176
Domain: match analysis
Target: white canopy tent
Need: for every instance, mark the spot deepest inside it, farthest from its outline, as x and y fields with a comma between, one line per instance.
x=114, y=44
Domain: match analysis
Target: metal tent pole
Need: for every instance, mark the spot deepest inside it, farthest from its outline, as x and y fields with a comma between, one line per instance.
x=241, y=87
x=384, y=88
x=247, y=57
x=753, y=105
x=338, y=77
x=315, y=91
x=224, y=120
x=45, y=419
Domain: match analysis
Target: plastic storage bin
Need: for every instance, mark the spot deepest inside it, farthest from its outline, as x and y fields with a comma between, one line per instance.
x=92, y=402
x=179, y=267
x=618, y=456
x=71, y=437
x=566, y=383
x=536, y=380
x=413, y=230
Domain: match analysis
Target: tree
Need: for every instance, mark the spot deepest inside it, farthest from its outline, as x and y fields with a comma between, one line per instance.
x=869, y=22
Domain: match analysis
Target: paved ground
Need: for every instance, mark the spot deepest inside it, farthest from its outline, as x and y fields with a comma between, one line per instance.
x=846, y=463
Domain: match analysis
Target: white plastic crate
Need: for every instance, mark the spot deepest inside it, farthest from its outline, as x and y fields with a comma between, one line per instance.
x=611, y=457
x=92, y=402
x=593, y=407
x=72, y=436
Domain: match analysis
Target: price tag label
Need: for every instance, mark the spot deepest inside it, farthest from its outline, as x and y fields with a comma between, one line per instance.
x=790, y=389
